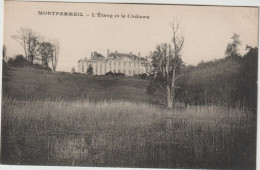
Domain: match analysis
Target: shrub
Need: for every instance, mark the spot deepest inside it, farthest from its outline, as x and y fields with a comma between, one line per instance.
x=119, y=74
x=10, y=62
x=110, y=73
x=19, y=61
x=143, y=76
x=90, y=70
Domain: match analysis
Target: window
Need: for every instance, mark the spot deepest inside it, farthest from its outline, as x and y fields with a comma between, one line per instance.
x=100, y=69
x=110, y=63
x=119, y=64
x=82, y=68
x=114, y=70
x=124, y=71
x=138, y=65
x=105, y=70
x=101, y=65
x=134, y=72
x=105, y=65
x=96, y=70
x=134, y=65
x=129, y=64
x=114, y=63
x=124, y=64
x=119, y=71
x=129, y=71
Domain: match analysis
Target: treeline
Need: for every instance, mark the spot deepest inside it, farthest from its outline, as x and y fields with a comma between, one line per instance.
x=35, y=48
x=231, y=81
x=20, y=61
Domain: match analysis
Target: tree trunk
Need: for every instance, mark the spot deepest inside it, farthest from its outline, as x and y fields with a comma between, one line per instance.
x=169, y=97
x=173, y=86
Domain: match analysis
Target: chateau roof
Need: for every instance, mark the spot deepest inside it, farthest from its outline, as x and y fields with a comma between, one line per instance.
x=122, y=55
x=100, y=57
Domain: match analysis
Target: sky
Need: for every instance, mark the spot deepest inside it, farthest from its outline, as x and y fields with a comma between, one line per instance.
x=206, y=29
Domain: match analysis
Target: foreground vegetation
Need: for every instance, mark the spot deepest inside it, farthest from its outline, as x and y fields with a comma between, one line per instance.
x=126, y=134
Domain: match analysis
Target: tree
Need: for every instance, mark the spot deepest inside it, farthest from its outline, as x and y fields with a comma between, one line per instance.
x=19, y=61
x=29, y=40
x=46, y=51
x=232, y=48
x=165, y=66
x=55, y=56
x=73, y=70
x=248, y=73
x=90, y=70
x=4, y=53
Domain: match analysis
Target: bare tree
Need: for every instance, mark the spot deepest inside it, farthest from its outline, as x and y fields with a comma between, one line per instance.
x=29, y=40
x=175, y=62
x=55, y=56
x=165, y=65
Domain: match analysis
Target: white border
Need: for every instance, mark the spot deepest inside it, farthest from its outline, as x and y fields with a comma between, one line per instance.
x=255, y=3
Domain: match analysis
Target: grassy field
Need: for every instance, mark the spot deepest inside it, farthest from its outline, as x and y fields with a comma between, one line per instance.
x=30, y=83
x=126, y=134
x=124, y=131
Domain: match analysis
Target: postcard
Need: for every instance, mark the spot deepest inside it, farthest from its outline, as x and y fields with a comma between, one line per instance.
x=129, y=85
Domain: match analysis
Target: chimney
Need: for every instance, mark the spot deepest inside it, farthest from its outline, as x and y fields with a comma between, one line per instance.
x=131, y=53
x=138, y=54
x=95, y=55
x=92, y=56
x=108, y=54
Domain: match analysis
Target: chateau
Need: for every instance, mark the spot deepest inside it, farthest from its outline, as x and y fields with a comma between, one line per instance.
x=129, y=64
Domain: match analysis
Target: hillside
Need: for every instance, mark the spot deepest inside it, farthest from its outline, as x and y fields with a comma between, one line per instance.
x=26, y=83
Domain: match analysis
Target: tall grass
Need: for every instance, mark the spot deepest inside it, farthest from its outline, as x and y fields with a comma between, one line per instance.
x=109, y=133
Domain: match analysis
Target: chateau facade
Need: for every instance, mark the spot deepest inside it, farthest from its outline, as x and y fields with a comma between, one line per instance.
x=129, y=64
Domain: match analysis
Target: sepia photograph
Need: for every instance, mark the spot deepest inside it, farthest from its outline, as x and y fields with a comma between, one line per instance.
x=129, y=85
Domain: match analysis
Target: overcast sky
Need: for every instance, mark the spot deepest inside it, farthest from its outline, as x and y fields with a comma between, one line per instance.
x=206, y=29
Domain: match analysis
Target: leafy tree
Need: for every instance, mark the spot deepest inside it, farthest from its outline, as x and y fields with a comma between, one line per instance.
x=90, y=70
x=46, y=51
x=19, y=61
x=165, y=66
x=232, y=48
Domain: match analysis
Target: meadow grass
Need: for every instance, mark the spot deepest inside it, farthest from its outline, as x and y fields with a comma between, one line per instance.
x=126, y=134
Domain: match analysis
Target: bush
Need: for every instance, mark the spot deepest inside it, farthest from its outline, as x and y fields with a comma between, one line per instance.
x=110, y=73
x=19, y=61
x=10, y=62
x=119, y=74
x=143, y=76
x=90, y=70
